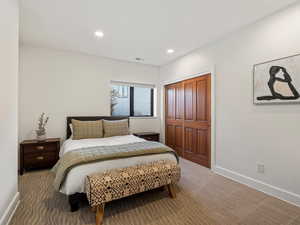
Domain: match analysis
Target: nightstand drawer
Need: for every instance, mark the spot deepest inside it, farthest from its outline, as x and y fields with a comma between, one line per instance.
x=40, y=147
x=40, y=160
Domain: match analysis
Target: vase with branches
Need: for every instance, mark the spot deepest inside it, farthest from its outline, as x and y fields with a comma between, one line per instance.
x=41, y=131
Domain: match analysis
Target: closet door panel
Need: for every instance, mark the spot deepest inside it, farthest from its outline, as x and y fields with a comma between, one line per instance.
x=170, y=136
x=188, y=140
x=201, y=97
x=170, y=103
x=179, y=140
x=179, y=101
x=197, y=120
x=201, y=142
x=188, y=100
x=174, y=117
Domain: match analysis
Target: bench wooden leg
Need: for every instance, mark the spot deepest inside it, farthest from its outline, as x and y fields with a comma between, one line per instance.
x=99, y=214
x=171, y=190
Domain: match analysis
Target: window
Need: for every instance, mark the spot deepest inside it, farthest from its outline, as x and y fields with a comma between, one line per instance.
x=131, y=100
x=122, y=91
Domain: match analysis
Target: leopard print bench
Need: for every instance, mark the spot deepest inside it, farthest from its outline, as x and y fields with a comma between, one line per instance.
x=120, y=183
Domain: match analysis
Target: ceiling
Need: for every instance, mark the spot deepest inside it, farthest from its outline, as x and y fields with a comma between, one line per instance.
x=137, y=28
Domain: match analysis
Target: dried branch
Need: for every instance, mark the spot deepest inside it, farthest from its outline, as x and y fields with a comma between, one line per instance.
x=114, y=99
x=42, y=122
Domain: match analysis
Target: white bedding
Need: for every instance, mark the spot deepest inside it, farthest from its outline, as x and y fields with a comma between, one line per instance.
x=75, y=179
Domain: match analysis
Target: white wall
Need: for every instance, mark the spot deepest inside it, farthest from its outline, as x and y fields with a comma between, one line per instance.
x=248, y=134
x=8, y=104
x=63, y=83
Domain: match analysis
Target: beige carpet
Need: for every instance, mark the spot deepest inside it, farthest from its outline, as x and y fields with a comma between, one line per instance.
x=203, y=198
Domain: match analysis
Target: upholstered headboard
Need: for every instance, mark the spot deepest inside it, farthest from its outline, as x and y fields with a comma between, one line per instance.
x=92, y=118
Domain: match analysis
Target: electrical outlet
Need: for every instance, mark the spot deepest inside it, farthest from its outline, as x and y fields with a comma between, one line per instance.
x=260, y=168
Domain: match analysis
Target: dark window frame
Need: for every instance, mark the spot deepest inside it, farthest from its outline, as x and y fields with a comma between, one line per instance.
x=131, y=103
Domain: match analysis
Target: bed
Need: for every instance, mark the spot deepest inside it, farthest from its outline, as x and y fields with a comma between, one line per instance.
x=73, y=185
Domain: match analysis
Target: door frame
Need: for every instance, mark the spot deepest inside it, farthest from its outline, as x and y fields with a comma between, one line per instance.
x=209, y=70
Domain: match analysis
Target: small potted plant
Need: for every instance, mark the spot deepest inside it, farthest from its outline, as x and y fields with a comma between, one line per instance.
x=41, y=131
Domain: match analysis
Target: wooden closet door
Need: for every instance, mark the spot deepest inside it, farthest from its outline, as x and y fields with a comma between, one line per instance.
x=187, y=107
x=197, y=120
x=174, y=117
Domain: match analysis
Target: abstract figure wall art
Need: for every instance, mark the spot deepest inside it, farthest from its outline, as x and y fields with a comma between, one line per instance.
x=277, y=81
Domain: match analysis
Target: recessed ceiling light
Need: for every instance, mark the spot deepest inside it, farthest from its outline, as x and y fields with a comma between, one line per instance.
x=170, y=51
x=99, y=34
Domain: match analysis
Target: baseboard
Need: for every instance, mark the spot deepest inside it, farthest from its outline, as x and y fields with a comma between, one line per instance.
x=260, y=186
x=9, y=212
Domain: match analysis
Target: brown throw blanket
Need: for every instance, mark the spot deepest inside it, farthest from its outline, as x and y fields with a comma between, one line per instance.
x=102, y=153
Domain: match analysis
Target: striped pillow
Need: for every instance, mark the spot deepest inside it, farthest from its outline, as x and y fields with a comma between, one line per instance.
x=115, y=127
x=87, y=129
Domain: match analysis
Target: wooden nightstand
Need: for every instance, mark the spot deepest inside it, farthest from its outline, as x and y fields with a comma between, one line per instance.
x=149, y=136
x=37, y=155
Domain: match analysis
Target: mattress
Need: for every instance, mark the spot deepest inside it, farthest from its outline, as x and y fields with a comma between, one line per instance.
x=74, y=182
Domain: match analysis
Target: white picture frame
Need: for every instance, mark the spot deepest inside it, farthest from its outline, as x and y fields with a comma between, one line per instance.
x=277, y=81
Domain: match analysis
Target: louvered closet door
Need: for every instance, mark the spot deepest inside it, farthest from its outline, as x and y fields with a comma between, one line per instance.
x=188, y=119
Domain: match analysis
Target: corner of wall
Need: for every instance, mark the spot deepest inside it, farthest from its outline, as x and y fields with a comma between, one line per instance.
x=9, y=212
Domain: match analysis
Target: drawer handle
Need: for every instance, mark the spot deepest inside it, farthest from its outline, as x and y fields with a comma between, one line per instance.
x=40, y=147
x=40, y=158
